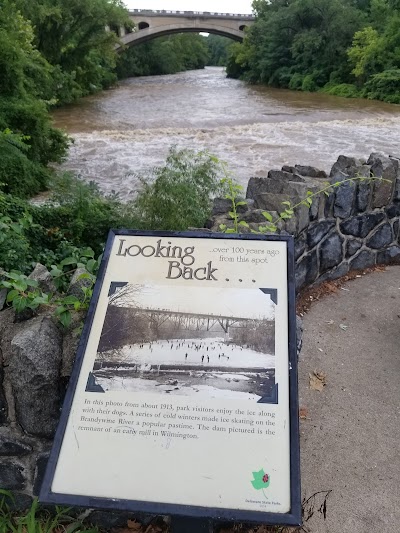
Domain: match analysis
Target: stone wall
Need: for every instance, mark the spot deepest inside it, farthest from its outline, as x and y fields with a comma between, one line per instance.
x=357, y=226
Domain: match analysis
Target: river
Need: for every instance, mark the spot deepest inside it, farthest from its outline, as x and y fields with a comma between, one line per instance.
x=126, y=130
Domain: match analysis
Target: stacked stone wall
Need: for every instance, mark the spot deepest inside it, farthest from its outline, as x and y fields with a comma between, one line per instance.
x=355, y=227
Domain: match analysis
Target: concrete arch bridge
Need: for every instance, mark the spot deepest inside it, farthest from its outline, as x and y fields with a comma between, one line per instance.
x=149, y=24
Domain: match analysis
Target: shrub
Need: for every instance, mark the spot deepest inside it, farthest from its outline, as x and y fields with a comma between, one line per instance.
x=384, y=86
x=180, y=194
x=346, y=90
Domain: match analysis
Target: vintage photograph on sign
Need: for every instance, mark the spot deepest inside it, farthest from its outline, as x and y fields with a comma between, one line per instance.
x=206, y=343
x=186, y=374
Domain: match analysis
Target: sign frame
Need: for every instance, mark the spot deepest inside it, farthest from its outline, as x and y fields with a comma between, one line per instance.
x=294, y=516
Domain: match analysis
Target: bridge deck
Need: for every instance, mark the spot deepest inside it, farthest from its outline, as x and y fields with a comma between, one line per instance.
x=187, y=14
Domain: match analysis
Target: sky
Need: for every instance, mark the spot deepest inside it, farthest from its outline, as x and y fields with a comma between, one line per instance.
x=221, y=6
x=243, y=303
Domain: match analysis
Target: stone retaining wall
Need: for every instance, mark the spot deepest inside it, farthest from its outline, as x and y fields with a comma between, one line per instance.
x=357, y=226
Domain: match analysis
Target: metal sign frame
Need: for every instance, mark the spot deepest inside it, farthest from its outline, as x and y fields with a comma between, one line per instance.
x=188, y=511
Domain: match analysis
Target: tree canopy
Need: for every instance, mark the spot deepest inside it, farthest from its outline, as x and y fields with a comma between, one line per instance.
x=344, y=47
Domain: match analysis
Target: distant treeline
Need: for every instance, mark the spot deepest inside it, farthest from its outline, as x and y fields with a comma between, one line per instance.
x=174, y=53
x=343, y=47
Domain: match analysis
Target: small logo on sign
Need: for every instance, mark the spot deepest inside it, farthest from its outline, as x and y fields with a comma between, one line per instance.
x=260, y=480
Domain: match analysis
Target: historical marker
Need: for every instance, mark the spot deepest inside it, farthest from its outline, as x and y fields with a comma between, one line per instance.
x=183, y=398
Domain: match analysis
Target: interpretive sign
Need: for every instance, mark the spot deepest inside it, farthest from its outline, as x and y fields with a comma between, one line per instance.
x=183, y=398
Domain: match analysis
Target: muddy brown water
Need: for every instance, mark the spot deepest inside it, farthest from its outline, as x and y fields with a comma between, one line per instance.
x=129, y=129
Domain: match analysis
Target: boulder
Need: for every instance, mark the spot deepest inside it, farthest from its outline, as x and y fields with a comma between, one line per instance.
x=311, y=172
x=318, y=230
x=11, y=476
x=34, y=370
x=382, y=237
x=44, y=278
x=389, y=256
x=365, y=259
x=361, y=225
x=344, y=200
x=78, y=283
x=331, y=252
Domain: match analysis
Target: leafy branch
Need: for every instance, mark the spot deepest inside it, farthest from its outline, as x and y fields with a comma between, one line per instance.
x=24, y=293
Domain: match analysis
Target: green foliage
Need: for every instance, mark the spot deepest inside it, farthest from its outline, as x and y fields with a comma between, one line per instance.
x=384, y=86
x=37, y=520
x=165, y=55
x=218, y=50
x=178, y=195
x=18, y=174
x=24, y=293
x=80, y=214
x=72, y=37
x=343, y=48
x=346, y=90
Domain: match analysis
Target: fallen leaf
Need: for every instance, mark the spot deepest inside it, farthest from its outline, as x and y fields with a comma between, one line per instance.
x=330, y=322
x=303, y=412
x=343, y=327
x=133, y=525
x=317, y=380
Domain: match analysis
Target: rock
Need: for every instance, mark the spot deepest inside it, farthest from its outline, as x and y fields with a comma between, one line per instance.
x=282, y=177
x=315, y=206
x=222, y=206
x=3, y=296
x=335, y=273
x=344, y=162
x=396, y=196
x=363, y=195
x=337, y=176
x=40, y=470
x=381, y=193
x=299, y=334
x=375, y=156
x=344, y=200
x=11, y=476
x=300, y=247
x=302, y=215
x=396, y=230
x=20, y=502
x=306, y=270
x=44, y=278
x=331, y=252
x=352, y=247
x=34, y=370
x=382, y=237
x=3, y=406
x=393, y=211
x=318, y=230
x=76, y=285
x=365, y=259
x=312, y=172
x=389, y=256
x=11, y=446
x=328, y=207
x=361, y=225
x=255, y=216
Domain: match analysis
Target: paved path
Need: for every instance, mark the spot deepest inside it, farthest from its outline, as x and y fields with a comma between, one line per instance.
x=350, y=441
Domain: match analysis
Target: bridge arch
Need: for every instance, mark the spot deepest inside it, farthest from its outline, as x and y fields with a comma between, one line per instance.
x=151, y=24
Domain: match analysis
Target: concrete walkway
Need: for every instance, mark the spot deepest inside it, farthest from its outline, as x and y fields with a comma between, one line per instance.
x=350, y=439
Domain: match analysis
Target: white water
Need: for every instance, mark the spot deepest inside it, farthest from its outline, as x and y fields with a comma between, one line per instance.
x=129, y=129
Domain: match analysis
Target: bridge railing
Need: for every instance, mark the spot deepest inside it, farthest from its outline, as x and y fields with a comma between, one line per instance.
x=158, y=12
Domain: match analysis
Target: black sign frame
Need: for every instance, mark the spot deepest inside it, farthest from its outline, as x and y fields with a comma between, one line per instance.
x=292, y=518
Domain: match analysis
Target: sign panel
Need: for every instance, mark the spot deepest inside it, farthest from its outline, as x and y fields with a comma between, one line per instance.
x=183, y=398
